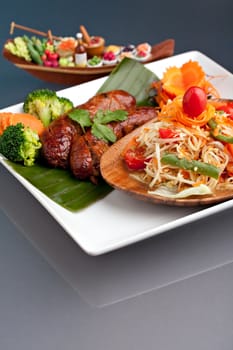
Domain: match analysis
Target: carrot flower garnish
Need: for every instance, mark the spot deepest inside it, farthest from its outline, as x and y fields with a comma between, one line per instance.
x=176, y=80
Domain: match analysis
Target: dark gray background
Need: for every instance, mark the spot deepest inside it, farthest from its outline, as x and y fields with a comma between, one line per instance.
x=171, y=292
x=195, y=25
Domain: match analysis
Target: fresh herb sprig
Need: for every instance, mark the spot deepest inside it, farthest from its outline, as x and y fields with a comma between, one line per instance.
x=98, y=123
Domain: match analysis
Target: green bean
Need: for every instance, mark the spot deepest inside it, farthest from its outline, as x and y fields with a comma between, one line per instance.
x=218, y=136
x=192, y=165
x=33, y=52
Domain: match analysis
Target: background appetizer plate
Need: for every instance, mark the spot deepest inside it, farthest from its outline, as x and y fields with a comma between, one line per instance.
x=119, y=219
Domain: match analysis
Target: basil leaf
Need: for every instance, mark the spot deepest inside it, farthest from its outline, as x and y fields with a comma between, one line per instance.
x=106, y=117
x=98, y=116
x=103, y=132
x=81, y=116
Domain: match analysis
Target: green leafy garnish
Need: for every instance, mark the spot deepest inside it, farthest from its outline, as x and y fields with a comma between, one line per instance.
x=82, y=117
x=105, y=117
x=97, y=123
x=103, y=132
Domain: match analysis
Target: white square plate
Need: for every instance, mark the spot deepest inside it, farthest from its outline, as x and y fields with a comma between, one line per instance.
x=118, y=219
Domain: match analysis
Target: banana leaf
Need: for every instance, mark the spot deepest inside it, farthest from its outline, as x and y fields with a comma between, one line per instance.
x=59, y=185
x=132, y=77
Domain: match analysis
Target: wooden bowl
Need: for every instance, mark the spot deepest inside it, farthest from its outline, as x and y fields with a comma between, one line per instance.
x=116, y=174
x=95, y=47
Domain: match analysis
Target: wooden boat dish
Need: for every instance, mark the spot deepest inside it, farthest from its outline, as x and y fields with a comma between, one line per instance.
x=116, y=174
x=75, y=75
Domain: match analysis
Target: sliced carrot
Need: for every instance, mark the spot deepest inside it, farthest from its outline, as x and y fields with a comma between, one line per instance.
x=177, y=80
x=210, y=89
x=172, y=81
x=229, y=148
x=174, y=112
x=230, y=169
x=192, y=74
x=201, y=120
x=29, y=120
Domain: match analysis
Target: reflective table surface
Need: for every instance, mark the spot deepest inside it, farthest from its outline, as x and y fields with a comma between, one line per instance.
x=174, y=290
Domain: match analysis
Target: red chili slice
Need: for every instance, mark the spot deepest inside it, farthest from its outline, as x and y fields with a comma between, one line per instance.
x=166, y=133
x=227, y=108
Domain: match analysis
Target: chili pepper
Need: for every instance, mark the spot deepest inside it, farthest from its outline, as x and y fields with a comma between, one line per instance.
x=218, y=136
x=225, y=106
x=192, y=165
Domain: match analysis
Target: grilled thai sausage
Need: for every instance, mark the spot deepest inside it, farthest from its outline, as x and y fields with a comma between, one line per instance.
x=111, y=100
x=57, y=138
x=97, y=148
x=64, y=144
x=136, y=117
x=56, y=141
x=81, y=163
x=91, y=146
x=86, y=151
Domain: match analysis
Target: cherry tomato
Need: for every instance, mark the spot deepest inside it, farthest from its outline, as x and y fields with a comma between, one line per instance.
x=194, y=101
x=227, y=108
x=47, y=52
x=44, y=57
x=134, y=159
x=52, y=56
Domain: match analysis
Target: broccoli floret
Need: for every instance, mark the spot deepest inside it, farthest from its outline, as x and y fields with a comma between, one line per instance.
x=46, y=105
x=66, y=104
x=60, y=105
x=39, y=102
x=20, y=144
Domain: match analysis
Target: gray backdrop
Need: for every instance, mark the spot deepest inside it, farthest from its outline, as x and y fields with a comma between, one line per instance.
x=196, y=25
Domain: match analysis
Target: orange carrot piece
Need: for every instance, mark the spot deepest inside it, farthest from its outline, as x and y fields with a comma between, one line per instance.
x=201, y=120
x=174, y=112
x=229, y=149
x=29, y=120
x=177, y=80
x=172, y=81
x=210, y=89
x=192, y=74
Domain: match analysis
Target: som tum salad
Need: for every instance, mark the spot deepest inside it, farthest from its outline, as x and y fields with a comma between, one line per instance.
x=188, y=149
